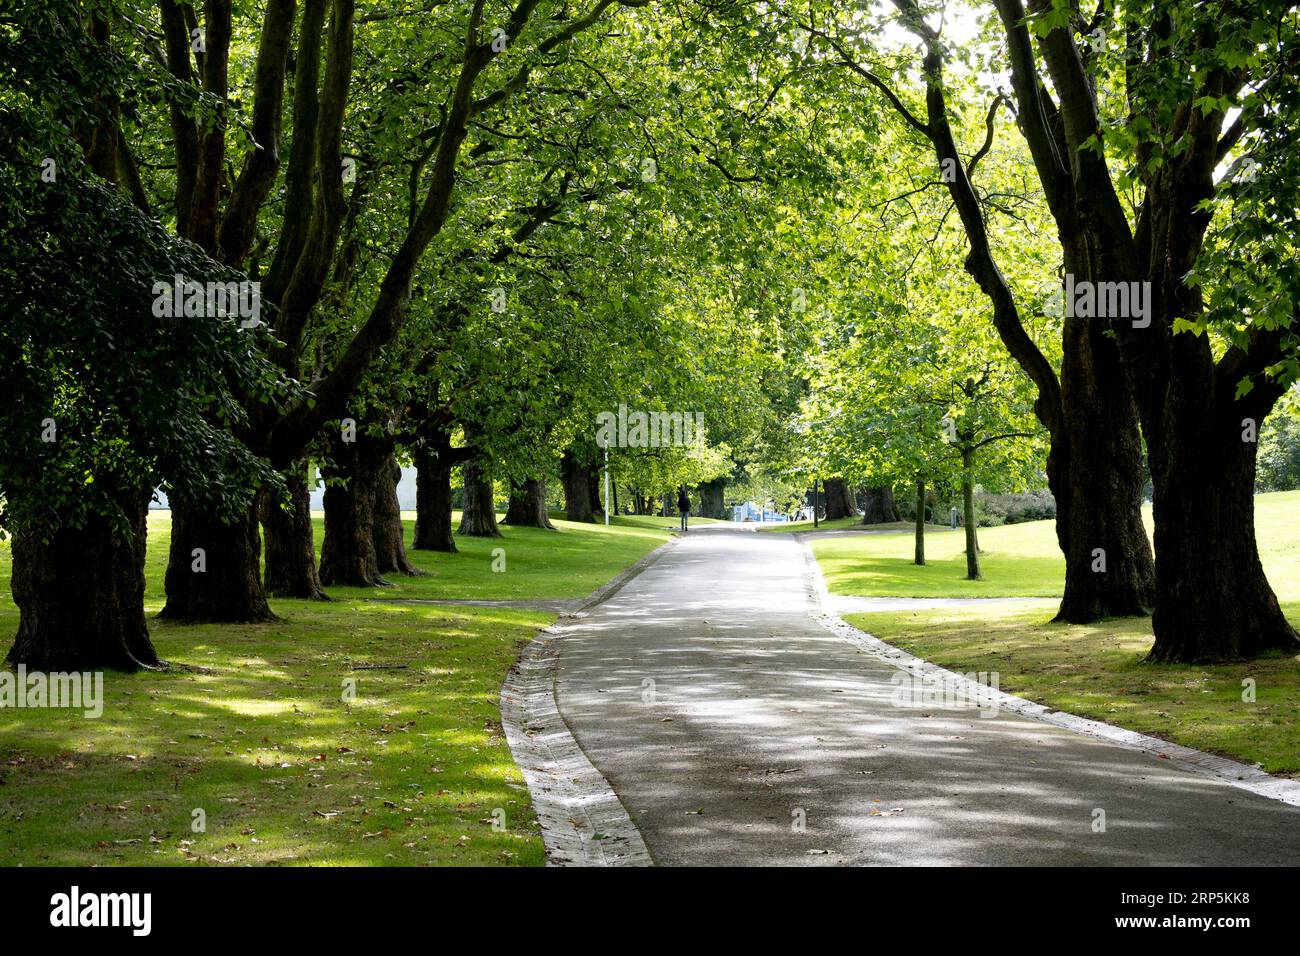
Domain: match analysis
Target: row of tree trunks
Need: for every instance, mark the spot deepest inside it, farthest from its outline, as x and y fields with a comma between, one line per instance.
x=878, y=505
x=712, y=501
x=579, y=484
x=290, y=543
x=839, y=500
x=478, y=518
x=80, y=595
x=527, y=507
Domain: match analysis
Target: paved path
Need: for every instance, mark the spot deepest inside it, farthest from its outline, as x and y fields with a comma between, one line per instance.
x=724, y=715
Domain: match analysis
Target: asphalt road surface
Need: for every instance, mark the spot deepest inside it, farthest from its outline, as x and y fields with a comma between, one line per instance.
x=738, y=731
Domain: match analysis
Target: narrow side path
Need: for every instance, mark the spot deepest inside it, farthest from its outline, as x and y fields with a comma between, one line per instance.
x=735, y=729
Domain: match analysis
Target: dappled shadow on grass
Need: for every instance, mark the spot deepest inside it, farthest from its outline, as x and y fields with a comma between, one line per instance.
x=254, y=732
x=1099, y=671
x=250, y=726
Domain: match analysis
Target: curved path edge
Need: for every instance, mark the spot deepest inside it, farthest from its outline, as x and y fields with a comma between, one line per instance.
x=582, y=819
x=1229, y=771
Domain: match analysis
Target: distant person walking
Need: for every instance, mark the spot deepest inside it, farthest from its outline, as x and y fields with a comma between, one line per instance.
x=683, y=505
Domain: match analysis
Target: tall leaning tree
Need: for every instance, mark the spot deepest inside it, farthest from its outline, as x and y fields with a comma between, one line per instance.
x=1094, y=465
x=1142, y=118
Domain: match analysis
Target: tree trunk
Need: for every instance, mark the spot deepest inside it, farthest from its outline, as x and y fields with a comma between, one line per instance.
x=433, y=498
x=879, y=506
x=478, y=518
x=1095, y=475
x=389, y=533
x=613, y=491
x=640, y=503
x=214, y=569
x=290, y=543
x=968, y=513
x=80, y=597
x=595, y=478
x=920, y=522
x=712, y=500
x=348, y=556
x=1214, y=601
x=577, y=488
x=839, y=501
x=528, y=505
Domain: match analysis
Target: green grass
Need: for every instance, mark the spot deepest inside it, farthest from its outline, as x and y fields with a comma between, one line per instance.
x=570, y=562
x=250, y=726
x=1096, y=671
x=792, y=527
x=1019, y=560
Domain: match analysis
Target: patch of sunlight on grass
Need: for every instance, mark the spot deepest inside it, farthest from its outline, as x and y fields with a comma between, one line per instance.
x=257, y=708
x=1097, y=670
x=1020, y=560
x=250, y=727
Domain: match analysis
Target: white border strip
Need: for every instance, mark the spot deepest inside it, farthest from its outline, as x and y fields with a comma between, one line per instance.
x=1228, y=771
x=583, y=821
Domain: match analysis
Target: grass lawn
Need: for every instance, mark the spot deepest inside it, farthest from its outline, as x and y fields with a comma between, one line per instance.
x=790, y=527
x=1096, y=670
x=1018, y=560
x=250, y=725
x=569, y=562
x=1093, y=670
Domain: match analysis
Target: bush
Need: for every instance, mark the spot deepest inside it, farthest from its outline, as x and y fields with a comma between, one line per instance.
x=995, y=510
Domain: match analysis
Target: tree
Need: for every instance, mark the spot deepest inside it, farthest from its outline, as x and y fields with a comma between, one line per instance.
x=1090, y=388
x=107, y=391
x=1205, y=356
x=457, y=76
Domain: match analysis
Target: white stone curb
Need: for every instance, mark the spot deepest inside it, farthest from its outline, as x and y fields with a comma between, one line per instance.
x=1228, y=771
x=583, y=821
